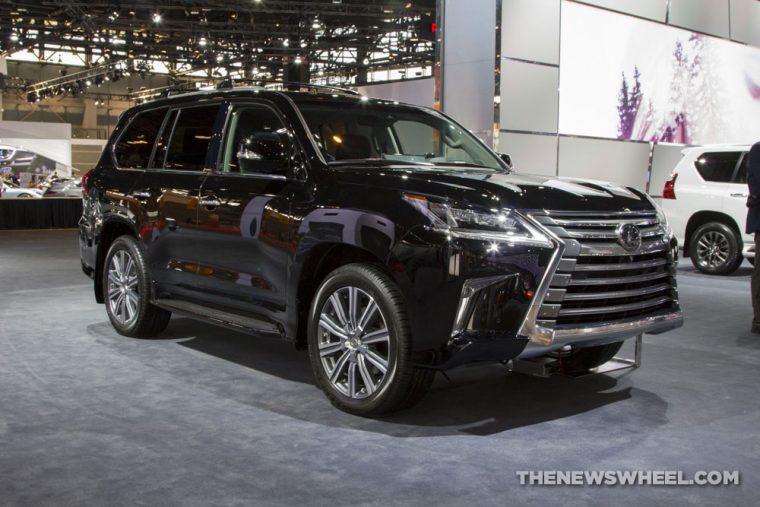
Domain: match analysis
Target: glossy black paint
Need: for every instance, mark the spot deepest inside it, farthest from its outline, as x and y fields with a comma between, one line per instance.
x=259, y=245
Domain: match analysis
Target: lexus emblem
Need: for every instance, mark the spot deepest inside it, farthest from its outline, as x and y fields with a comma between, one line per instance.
x=629, y=237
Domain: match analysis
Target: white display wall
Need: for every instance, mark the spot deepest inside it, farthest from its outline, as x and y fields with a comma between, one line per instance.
x=50, y=140
x=557, y=115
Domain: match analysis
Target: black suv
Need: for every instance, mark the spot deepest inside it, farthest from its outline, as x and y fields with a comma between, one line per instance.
x=384, y=237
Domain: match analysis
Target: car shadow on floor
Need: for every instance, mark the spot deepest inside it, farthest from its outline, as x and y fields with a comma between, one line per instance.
x=477, y=400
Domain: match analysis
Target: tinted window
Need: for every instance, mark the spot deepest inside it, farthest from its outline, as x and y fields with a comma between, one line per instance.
x=191, y=138
x=135, y=145
x=718, y=166
x=257, y=142
x=741, y=174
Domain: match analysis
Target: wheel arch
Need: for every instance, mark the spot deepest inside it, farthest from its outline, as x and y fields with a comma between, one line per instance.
x=315, y=265
x=700, y=218
x=111, y=229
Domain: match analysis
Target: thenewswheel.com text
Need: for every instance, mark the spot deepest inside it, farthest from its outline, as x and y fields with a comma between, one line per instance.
x=627, y=478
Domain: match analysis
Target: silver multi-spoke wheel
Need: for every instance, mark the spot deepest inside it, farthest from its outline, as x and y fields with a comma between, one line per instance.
x=123, y=298
x=713, y=249
x=354, y=343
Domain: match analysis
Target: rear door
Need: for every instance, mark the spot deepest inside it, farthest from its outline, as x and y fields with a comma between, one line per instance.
x=169, y=191
x=244, y=239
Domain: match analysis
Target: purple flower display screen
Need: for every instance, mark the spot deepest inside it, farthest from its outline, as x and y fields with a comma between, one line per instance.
x=626, y=78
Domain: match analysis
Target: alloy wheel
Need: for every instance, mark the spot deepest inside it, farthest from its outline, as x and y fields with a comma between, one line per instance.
x=123, y=299
x=713, y=249
x=354, y=343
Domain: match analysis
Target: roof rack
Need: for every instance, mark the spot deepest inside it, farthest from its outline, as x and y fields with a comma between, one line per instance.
x=286, y=85
x=227, y=84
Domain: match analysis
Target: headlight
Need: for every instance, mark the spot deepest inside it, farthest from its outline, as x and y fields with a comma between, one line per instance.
x=667, y=231
x=495, y=225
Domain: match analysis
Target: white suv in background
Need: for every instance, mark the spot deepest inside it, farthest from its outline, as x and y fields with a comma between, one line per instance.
x=705, y=203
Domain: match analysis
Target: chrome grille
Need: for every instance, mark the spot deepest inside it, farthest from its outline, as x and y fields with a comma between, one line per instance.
x=599, y=281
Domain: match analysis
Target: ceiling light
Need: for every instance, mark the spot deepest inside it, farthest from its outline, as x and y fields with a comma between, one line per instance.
x=202, y=42
x=14, y=36
x=298, y=60
x=156, y=18
x=286, y=43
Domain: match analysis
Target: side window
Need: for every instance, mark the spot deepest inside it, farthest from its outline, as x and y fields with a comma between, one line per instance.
x=133, y=149
x=718, y=166
x=257, y=142
x=741, y=173
x=190, y=138
x=163, y=141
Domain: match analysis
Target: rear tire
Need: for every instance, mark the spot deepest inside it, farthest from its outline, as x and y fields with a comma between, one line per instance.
x=715, y=249
x=126, y=290
x=360, y=344
x=584, y=359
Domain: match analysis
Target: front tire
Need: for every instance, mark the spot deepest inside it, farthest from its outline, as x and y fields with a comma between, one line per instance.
x=360, y=344
x=715, y=249
x=126, y=286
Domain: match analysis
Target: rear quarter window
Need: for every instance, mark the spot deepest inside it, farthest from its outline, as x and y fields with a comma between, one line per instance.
x=718, y=166
x=135, y=144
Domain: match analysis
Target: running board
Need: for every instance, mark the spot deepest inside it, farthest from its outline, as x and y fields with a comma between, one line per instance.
x=227, y=319
x=545, y=367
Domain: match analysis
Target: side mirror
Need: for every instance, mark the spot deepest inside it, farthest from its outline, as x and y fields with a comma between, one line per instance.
x=506, y=159
x=265, y=153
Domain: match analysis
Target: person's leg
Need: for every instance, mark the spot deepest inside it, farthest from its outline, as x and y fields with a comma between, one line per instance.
x=755, y=286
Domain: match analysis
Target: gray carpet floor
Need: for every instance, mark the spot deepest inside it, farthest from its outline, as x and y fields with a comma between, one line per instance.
x=207, y=416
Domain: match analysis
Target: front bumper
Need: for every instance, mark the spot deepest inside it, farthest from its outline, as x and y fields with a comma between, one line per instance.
x=634, y=293
x=600, y=334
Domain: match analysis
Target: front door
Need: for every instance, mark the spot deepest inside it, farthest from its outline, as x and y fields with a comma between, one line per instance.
x=244, y=239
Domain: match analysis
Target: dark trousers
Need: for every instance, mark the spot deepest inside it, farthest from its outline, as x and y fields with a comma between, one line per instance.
x=756, y=283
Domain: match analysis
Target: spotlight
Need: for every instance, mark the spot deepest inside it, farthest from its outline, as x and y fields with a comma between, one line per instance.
x=14, y=36
x=156, y=17
x=298, y=60
x=286, y=42
x=202, y=42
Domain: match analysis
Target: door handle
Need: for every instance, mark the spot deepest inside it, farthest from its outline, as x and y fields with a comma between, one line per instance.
x=739, y=194
x=210, y=202
x=141, y=194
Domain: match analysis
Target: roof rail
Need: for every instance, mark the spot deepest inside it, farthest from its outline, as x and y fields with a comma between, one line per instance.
x=288, y=85
x=228, y=84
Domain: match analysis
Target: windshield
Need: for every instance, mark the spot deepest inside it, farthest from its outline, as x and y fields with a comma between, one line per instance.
x=374, y=131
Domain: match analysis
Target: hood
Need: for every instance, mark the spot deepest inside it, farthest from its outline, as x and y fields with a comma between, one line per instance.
x=492, y=189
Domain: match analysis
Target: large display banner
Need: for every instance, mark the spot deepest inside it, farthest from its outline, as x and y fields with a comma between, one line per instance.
x=626, y=78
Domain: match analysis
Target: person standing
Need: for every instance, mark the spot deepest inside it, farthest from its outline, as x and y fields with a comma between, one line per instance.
x=753, y=227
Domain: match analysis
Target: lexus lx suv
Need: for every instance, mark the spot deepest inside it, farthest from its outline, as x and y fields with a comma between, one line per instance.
x=705, y=201
x=384, y=238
